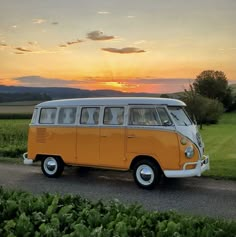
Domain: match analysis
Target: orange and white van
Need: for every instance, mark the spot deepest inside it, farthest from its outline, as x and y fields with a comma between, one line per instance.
x=149, y=136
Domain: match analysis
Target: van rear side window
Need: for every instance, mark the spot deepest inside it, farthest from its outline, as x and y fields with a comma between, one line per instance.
x=113, y=116
x=67, y=116
x=48, y=116
x=89, y=115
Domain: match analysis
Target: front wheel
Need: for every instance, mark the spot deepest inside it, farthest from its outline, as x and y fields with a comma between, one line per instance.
x=146, y=174
x=52, y=166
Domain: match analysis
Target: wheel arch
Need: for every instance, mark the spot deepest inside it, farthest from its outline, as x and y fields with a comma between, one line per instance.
x=144, y=157
x=40, y=157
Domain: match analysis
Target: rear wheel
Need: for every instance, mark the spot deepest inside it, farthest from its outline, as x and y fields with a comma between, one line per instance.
x=52, y=166
x=146, y=174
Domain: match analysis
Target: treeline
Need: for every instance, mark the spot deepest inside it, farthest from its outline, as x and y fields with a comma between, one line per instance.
x=12, y=97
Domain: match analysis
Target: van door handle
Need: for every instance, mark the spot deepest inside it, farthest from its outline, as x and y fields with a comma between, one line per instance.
x=131, y=136
x=103, y=135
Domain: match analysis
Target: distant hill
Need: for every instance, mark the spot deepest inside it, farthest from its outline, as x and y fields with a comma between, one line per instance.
x=20, y=93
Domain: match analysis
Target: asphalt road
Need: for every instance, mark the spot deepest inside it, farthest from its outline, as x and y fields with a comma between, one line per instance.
x=196, y=196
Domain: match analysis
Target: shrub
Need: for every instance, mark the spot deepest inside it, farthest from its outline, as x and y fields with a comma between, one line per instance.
x=202, y=109
x=22, y=214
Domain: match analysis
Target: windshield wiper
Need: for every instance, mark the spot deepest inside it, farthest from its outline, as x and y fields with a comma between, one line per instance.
x=174, y=115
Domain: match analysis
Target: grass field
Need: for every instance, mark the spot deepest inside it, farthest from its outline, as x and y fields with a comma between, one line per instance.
x=220, y=142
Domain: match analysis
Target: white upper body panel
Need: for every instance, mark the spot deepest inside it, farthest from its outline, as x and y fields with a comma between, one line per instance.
x=102, y=101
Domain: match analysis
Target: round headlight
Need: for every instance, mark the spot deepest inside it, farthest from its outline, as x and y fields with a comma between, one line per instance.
x=189, y=152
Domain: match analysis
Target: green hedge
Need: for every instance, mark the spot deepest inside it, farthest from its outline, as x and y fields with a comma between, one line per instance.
x=23, y=214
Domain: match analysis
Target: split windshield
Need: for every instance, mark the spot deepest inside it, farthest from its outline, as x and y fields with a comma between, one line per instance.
x=179, y=116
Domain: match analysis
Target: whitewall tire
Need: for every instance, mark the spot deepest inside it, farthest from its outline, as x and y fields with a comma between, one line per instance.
x=52, y=166
x=146, y=174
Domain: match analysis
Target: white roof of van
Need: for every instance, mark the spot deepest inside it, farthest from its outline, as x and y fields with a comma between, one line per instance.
x=99, y=101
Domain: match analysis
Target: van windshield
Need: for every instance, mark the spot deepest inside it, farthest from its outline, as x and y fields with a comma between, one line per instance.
x=179, y=116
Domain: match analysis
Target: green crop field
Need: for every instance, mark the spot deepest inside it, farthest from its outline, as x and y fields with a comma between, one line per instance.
x=220, y=142
x=13, y=137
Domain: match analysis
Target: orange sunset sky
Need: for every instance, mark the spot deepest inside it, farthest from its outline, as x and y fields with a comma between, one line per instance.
x=129, y=45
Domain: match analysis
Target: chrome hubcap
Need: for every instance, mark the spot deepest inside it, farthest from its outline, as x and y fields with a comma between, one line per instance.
x=146, y=174
x=50, y=165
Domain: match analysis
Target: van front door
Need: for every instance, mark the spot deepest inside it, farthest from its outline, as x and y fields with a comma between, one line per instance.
x=146, y=136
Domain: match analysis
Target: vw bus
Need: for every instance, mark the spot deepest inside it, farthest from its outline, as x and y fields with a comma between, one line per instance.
x=150, y=136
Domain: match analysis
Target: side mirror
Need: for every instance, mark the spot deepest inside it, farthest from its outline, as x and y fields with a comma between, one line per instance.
x=167, y=123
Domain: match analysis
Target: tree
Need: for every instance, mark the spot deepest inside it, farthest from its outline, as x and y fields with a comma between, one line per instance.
x=200, y=108
x=214, y=85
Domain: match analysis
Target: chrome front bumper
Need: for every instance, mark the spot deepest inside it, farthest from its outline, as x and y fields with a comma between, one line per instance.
x=201, y=166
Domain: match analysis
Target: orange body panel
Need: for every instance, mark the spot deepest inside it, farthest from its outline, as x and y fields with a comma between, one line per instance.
x=111, y=147
x=88, y=139
x=59, y=141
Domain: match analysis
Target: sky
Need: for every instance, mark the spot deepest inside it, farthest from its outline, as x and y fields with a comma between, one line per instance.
x=151, y=46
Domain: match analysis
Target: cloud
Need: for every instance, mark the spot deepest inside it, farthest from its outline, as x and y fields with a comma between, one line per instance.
x=131, y=17
x=140, y=42
x=38, y=21
x=18, y=53
x=161, y=81
x=23, y=49
x=74, y=42
x=126, y=50
x=152, y=85
x=33, y=43
x=98, y=35
x=70, y=43
x=36, y=50
x=55, y=23
x=38, y=81
x=42, y=81
x=103, y=13
x=3, y=44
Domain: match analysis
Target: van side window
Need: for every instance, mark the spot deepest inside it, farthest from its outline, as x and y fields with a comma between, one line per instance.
x=35, y=114
x=67, y=116
x=144, y=117
x=47, y=115
x=113, y=116
x=89, y=115
x=165, y=119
